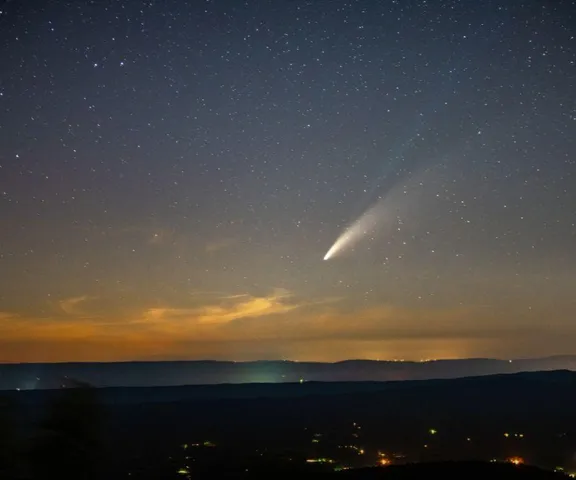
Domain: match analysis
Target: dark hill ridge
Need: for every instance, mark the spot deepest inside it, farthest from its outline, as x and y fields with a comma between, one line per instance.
x=52, y=375
x=449, y=471
x=500, y=387
x=393, y=416
x=469, y=470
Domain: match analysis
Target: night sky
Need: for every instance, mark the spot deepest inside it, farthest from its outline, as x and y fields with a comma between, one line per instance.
x=173, y=173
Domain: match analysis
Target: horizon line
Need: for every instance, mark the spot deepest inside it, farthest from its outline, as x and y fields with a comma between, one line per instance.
x=392, y=360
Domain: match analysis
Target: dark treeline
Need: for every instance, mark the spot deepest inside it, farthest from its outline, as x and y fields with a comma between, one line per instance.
x=64, y=441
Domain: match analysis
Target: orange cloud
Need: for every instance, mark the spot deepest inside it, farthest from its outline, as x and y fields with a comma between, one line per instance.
x=72, y=305
x=247, y=326
x=228, y=308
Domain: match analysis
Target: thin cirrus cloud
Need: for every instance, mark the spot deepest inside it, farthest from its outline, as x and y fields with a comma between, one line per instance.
x=224, y=309
x=84, y=314
x=219, y=245
x=81, y=335
x=75, y=305
x=245, y=326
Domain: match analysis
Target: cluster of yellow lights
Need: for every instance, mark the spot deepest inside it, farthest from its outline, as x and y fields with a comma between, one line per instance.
x=561, y=469
x=340, y=468
x=359, y=450
x=383, y=459
x=206, y=443
x=319, y=460
x=516, y=460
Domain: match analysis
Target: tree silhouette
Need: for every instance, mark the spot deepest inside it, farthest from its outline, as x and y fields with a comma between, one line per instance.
x=9, y=440
x=68, y=443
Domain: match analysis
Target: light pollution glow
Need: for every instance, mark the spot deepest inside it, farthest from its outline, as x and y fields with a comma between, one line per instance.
x=277, y=324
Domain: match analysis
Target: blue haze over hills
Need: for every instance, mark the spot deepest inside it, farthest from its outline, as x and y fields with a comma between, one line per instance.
x=152, y=374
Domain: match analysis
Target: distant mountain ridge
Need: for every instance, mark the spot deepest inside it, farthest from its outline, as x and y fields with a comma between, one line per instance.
x=499, y=385
x=34, y=376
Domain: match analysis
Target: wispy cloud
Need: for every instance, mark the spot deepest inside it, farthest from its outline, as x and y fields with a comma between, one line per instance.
x=6, y=316
x=244, y=325
x=209, y=293
x=73, y=305
x=226, y=309
x=152, y=235
x=220, y=244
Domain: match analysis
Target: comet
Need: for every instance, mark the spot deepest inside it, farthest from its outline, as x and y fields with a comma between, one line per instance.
x=408, y=199
x=363, y=226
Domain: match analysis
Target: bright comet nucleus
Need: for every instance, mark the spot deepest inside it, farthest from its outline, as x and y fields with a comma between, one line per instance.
x=404, y=199
x=360, y=228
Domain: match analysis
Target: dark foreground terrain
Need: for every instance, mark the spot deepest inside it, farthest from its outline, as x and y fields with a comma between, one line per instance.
x=301, y=429
x=449, y=470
